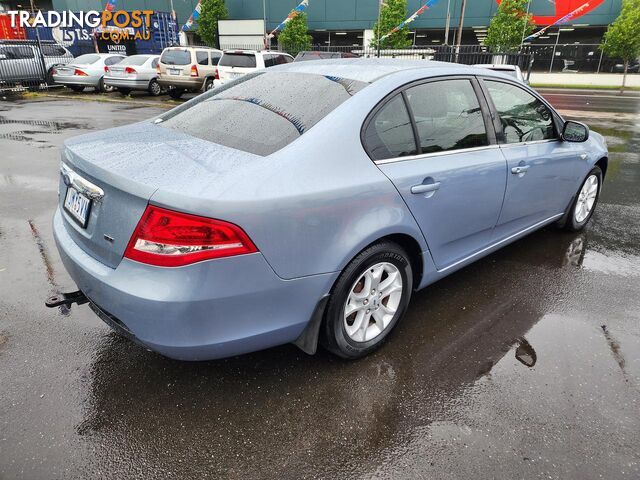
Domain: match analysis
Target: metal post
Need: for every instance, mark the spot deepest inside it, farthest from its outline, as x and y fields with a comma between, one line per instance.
x=380, y=2
x=264, y=22
x=553, y=55
x=600, y=61
x=446, y=26
x=42, y=62
x=524, y=27
x=460, y=26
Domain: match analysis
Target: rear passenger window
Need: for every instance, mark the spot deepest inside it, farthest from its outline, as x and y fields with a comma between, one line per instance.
x=202, y=58
x=389, y=133
x=215, y=58
x=269, y=61
x=447, y=116
x=113, y=60
x=154, y=62
x=524, y=118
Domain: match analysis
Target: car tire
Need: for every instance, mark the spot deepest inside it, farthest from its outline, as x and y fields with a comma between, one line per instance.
x=176, y=93
x=154, y=88
x=374, y=314
x=124, y=91
x=208, y=84
x=48, y=79
x=102, y=88
x=77, y=88
x=585, y=201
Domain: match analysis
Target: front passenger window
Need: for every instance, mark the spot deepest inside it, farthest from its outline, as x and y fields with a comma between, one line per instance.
x=524, y=118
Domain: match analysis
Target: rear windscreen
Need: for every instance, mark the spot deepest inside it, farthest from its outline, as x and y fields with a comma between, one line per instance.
x=264, y=112
x=134, y=60
x=247, y=60
x=87, y=59
x=176, y=57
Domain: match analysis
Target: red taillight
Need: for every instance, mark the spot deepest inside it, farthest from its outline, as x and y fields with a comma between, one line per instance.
x=158, y=68
x=216, y=75
x=130, y=70
x=106, y=69
x=80, y=72
x=171, y=239
x=194, y=71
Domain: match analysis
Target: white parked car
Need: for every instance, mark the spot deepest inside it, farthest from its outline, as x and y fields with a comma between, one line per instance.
x=86, y=71
x=236, y=63
x=137, y=72
x=511, y=70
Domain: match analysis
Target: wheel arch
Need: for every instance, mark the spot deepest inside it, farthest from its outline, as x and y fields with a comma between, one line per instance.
x=603, y=163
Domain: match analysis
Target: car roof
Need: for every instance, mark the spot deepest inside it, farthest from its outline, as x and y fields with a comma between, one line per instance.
x=371, y=69
x=496, y=66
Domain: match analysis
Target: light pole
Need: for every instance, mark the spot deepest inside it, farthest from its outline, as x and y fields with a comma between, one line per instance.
x=553, y=55
x=446, y=26
x=459, y=39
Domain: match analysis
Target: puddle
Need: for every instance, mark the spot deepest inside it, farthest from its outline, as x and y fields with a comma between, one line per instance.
x=29, y=134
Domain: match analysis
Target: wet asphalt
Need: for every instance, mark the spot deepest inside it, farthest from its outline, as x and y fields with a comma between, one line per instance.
x=525, y=364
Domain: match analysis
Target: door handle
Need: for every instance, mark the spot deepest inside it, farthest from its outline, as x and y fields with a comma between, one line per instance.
x=519, y=169
x=425, y=187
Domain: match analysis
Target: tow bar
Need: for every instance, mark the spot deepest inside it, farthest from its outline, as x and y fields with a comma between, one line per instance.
x=66, y=299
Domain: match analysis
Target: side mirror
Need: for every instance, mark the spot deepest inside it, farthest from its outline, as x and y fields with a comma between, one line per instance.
x=575, y=132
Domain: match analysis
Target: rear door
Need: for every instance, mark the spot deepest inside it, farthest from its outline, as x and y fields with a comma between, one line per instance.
x=453, y=179
x=542, y=169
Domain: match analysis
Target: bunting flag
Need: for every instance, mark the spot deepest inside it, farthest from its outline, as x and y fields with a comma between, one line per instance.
x=415, y=15
x=302, y=6
x=110, y=6
x=193, y=18
x=568, y=17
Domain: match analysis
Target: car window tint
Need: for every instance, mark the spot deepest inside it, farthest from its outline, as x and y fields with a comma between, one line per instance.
x=524, y=118
x=262, y=113
x=154, y=62
x=389, y=133
x=113, y=60
x=22, y=52
x=176, y=57
x=53, y=50
x=247, y=60
x=134, y=60
x=215, y=58
x=269, y=60
x=87, y=59
x=202, y=58
x=447, y=115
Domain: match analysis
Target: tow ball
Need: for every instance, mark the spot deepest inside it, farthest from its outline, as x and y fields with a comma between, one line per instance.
x=66, y=299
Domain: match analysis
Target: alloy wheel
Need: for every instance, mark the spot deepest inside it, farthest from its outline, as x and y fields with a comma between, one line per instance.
x=586, y=199
x=373, y=301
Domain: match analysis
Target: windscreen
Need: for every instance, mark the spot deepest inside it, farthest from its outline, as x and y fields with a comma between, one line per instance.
x=246, y=60
x=87, y=59
x=134, y=60
x=264, y=113
x=176, y=57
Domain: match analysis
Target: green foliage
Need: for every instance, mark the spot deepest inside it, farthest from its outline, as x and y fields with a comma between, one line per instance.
x=622, y=38
x=294, y=36
x=506, y=29
x=211, y=11
x=392, y=13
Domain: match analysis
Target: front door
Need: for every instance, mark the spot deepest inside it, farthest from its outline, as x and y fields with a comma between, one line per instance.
x=453, y=180
x=541, y=168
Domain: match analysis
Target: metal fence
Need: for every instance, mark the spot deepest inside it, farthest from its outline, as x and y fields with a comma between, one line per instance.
x=28, y=63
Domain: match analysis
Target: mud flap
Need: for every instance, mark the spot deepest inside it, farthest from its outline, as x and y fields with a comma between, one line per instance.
x=308, y=339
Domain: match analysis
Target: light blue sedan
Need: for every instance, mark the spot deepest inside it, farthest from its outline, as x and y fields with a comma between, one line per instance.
x=306, y=203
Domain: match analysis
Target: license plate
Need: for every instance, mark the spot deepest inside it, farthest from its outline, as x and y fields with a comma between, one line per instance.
x=78, y=206
x=173, y=71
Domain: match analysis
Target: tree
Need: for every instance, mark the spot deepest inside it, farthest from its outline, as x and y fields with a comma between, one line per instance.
x=210, y=12
x=509, y=26
x=392, y=14
x=622, y=38
x=294, y=36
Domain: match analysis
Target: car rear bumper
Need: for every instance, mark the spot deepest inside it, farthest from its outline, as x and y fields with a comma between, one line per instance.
x=177, y=81
x=206, y=310
x=88, y=81
x=134, y=84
